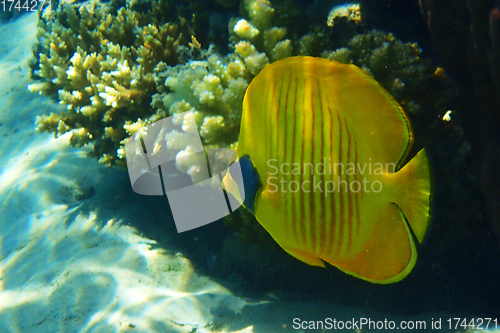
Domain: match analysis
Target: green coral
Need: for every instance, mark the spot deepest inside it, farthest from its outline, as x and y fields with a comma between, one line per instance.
x=260, y=13
x=212, y=89
x=118, y=70
x=100, y=65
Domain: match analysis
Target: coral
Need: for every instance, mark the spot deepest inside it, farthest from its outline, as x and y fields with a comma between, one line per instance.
x=211, y=92
x=245, y=30
x=212, y=89
x=100, y=65
x=106, y=64
x=260, y=13
x=281, y=50
x=349, y=11
x=255, y=61
x=273, y=36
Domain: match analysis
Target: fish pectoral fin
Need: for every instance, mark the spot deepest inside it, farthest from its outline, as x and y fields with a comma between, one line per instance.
x=309, y=258
x=389, y=254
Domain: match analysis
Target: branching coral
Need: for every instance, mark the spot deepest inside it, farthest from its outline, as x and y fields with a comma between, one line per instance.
x=209, y=91
x=106, y=65
x=100, y=66
x=349, y=11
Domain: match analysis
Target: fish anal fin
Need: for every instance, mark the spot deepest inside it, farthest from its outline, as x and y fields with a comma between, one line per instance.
x=309, y=258
x=389, y=254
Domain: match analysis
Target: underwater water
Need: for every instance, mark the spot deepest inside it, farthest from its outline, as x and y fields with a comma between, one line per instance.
x=84, y=248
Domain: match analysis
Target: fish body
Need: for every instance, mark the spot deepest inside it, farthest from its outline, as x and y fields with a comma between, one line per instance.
x=323, y=148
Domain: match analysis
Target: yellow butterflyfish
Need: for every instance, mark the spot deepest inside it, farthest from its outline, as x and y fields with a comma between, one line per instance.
x=323, y=150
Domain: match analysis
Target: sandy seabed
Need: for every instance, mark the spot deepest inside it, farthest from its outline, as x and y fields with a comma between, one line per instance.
x=61, y=269
x=64, y=269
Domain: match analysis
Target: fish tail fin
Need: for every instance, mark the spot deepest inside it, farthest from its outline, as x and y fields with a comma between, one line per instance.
x=416, y=192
